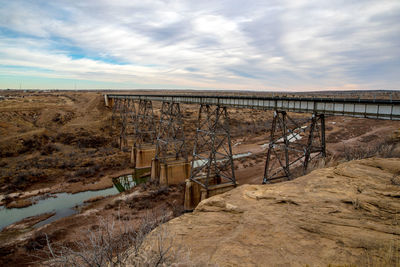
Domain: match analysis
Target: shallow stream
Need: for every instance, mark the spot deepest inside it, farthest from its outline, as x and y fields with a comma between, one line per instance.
x=63, y=204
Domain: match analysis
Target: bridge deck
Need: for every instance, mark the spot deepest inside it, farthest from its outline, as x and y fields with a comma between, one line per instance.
x=361, y=108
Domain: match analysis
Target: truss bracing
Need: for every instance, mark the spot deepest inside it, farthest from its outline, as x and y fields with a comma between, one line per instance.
x=293, y=145
x=122, y=112
x=131, y=119
x=171, y=137
x=145, y=124
x=118, y=119
x=124, y=116
x=212, y=154
x=115, y=111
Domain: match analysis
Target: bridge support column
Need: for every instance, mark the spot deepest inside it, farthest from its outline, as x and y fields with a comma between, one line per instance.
x=107, y=101
x=136, y=122
x=292, y=146
x=144, y=136
x=170, y=165
x=118, y=118
x=126, y=110
x=212, y=168
x=316, y=139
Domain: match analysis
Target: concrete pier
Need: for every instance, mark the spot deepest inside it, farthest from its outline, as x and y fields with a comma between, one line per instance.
x=195, y=193
x=174, y=172
x=170, y=172
x=109, y=101
x=106, y=101
x=143, y=156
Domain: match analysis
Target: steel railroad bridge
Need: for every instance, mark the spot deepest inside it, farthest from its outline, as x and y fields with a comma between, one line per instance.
x=293, y=142
x=361, y=108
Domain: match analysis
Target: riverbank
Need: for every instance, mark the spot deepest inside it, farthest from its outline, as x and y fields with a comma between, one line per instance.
x=21, y=243
x=27, y=198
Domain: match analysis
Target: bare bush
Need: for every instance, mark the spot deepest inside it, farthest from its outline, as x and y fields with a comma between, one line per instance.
x=114, y=243
x=383, y=149
x=158, y=251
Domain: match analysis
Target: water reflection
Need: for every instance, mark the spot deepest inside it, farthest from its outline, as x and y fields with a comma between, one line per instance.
x=62, y=204
x=126, y=182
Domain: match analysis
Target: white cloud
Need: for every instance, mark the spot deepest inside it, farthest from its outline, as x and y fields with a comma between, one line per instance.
x=210, y=44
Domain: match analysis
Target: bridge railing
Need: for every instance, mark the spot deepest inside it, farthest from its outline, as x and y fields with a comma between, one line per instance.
x=362, y=108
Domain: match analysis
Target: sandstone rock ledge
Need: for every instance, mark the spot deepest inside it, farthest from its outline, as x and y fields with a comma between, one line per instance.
x=348, y=214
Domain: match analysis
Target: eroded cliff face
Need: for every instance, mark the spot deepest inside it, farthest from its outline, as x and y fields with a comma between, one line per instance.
x=348, y=214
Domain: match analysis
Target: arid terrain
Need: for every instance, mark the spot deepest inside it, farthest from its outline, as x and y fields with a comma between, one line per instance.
x=346, y=215
x=64, y=141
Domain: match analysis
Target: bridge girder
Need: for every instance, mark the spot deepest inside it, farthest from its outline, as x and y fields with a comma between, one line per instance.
x=353, y=107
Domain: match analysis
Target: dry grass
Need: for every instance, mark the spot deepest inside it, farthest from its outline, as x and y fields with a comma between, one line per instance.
x=384, y=149
x=388, y=255
x=116, y=243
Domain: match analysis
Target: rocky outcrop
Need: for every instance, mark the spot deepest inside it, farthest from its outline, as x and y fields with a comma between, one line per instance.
x=348, y=214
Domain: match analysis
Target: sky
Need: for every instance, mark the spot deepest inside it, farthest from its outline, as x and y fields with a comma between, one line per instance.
x=249, y=45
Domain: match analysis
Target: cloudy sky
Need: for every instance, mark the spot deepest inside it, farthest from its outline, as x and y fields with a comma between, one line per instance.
x=260, y=45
